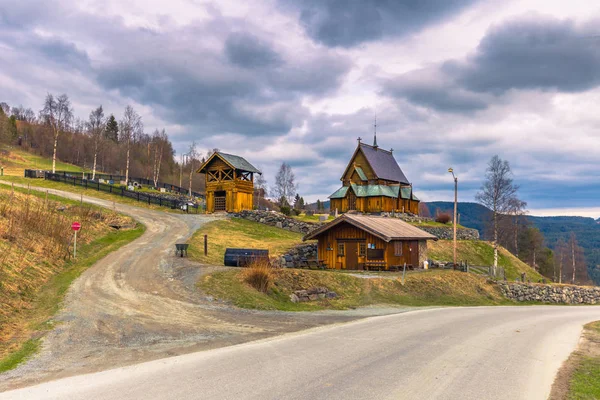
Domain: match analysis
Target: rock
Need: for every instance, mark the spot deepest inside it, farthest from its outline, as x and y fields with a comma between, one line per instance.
x=313, y=297
x=294, y=298
x=331, y=295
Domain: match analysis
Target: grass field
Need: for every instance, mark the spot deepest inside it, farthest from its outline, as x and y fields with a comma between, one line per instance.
x=585, y=381
x=236, y=232
x=431, y=288
x=312, y=218
x=481, y=253
x=17, y=161
x=42, y=183
x=35, y=274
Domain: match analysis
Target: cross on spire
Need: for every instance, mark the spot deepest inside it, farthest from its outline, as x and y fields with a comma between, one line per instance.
x=375, y=133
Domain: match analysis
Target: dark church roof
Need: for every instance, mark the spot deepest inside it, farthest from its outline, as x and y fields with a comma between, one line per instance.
x=383, y=163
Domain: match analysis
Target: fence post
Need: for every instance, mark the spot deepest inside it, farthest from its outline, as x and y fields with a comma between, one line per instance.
x=205, y=245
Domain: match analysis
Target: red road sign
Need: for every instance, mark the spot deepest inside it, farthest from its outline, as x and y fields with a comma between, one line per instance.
x=76, y=226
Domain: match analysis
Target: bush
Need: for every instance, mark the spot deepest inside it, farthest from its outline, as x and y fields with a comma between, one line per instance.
x=285, y=210
x=309, y=213
x=443, y=218
x=259, y=275
x=297, y=211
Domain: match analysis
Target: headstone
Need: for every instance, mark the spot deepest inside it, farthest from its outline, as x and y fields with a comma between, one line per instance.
x=322, y=218
x=131, y=188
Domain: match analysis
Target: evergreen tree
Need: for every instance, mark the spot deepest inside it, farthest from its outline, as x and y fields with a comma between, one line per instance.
x=112, y=129
x=12, y=127
x=319, y=205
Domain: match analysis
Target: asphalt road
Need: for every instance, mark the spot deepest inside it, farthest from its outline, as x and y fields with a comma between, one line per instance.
x=454, y=353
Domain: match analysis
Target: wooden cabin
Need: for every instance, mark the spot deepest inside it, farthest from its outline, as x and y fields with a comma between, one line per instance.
x=373, y=183
x=229, y=183
x=356, y=241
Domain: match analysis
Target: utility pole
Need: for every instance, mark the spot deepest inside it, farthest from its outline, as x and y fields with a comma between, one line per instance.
x=454, y=220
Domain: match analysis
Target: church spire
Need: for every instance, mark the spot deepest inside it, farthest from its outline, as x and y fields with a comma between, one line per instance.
x=375, y=133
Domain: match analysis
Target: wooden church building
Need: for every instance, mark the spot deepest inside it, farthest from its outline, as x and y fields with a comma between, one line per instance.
x=373, y=183
x=229, y=183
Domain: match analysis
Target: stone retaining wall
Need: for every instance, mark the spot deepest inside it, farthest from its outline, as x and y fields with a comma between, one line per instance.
x=317, y=293
x=447, y=233
x=561, y=294
x=277, y=219
x=294, y=255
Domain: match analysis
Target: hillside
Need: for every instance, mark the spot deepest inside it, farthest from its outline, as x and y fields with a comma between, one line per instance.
x=480, y=253
x=35, y=254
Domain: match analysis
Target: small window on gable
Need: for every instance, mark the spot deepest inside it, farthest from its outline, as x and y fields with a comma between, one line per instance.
x=341, y=249
x=362, y=249
x=397, y=248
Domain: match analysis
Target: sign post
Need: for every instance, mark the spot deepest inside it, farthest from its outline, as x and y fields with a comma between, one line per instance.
x=76, y=226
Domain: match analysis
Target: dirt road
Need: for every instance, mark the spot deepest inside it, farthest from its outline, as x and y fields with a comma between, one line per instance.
x=139, y=303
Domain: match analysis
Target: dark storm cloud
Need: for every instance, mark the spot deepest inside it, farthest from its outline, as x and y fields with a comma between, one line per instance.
x=531, y=53
x=349, y=23
x=63, y=52
x=247, y=51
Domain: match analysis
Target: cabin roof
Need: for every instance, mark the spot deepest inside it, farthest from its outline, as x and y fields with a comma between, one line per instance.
x=236, y=162
x=385, y=228
x=383, y=163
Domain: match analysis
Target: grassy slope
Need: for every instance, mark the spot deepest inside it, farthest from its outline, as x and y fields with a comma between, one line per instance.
x=481, y=253
x=420, y=289
x=585, y=381
x=46, y=281
x=18, y=160
x=239, y=233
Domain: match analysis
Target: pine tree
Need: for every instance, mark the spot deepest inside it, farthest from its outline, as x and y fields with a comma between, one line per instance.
x=112, y=129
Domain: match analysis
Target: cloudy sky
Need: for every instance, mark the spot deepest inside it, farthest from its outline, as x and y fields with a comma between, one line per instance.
x=452, y=83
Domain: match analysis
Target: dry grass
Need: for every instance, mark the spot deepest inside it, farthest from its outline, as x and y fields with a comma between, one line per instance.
x=35, y=245
x=15, y=161
x=259, y=275
x=240, y=233
x=481, y=253
x=420, y=289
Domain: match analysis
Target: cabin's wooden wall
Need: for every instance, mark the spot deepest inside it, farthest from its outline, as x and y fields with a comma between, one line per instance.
x=346, y=232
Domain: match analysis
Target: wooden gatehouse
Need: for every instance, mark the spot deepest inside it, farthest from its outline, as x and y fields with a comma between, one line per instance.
x=373, y=183
x=229, y=183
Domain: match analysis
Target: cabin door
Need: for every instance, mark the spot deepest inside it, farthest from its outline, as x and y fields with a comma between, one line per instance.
x=351, y=255
x=351, y=201
x=414, y=254
x=220, y=201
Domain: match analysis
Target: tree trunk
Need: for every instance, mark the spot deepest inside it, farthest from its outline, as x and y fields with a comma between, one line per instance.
x=127, y=167
x=95, y=159
x=191, y=174
x=495, y=242
x=573, y=255
x=54, y=152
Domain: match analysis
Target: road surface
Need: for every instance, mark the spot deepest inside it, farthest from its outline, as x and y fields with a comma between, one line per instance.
x=454, y=353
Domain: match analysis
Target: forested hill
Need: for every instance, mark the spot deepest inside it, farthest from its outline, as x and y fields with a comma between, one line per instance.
x=587, y=230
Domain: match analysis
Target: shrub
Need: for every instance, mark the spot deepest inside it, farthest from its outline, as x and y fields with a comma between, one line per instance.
x=309, y=213
x=297, y=211
x=259, y=275
x=443, y=218
x=285, y=210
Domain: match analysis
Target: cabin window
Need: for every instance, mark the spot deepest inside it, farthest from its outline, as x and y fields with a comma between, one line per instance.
x=341, y=249
x=398, y=248
x=362, y=249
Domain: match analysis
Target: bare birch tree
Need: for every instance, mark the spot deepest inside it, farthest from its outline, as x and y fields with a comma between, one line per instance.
x=130, y=127
x=498, y=193
x=285, y=183
x=96, y=126
x=159, y=138
x=192, y=154
x=57, y=112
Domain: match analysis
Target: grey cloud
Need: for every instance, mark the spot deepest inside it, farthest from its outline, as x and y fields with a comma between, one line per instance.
x=349, y=23
x=530, y=53
x=247, y=51
x=63, y=53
